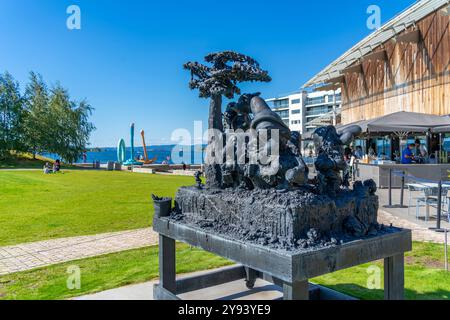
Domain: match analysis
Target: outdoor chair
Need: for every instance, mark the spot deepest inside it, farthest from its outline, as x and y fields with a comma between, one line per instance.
x=430, y=197
x=411, y=189
x=448, y=205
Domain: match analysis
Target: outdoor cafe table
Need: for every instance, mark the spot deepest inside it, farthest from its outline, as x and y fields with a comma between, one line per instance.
x=424, y=186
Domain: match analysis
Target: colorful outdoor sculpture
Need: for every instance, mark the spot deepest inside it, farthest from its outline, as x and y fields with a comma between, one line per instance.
x=121, y=151
x=146, y=161
x=131, y=161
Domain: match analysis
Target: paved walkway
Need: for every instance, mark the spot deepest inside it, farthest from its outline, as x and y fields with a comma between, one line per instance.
x=401, y=217
x=44, y=253
x=419, y=233
x=235, y=290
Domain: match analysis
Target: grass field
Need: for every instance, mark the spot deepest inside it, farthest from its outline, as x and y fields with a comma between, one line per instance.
x=35, y=206
x=24, y=161
x=101, y=273
x=425, y=278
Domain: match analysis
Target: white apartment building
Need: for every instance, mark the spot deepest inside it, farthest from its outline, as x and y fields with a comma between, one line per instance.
x=290, y=109
x=305, y=111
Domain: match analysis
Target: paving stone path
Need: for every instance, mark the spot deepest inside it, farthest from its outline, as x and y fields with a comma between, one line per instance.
x=44, y=253
x=419, y=232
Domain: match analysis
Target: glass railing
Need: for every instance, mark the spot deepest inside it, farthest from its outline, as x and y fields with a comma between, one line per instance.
x=317, y=112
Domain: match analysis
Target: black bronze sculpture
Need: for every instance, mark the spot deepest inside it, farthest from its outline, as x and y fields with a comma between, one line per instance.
x=259, y=206
x=220, y=79
x=198, y=180
x=258, y=186
x=330, y=160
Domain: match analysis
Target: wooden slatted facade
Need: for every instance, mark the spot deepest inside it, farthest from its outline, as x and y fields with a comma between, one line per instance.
x=410, y=76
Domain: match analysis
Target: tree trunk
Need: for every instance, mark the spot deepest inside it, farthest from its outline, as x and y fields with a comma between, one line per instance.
x=215, y=113
x=213, y=172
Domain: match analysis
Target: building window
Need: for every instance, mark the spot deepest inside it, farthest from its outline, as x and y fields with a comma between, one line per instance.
x=331, y=97
x=317, y=100
x=283, y=114
x=296, y=111
x=295, y=101
x=319, y=111
x=296, y=122
x=281, y=104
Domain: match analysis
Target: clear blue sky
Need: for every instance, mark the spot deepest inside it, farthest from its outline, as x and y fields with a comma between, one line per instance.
x=127, y=58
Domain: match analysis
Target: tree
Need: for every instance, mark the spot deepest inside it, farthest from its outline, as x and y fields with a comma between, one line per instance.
x=11, y=115
x=37, y=122
x=227, y=69
x=70, y=126
x=221, y=79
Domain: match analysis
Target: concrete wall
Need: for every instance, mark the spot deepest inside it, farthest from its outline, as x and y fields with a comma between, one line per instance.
x=380, y=173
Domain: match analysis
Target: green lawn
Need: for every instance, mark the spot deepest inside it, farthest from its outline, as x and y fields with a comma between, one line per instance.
x=23, y=161
x=424, y=279
x=34, y=206
x=101, y=273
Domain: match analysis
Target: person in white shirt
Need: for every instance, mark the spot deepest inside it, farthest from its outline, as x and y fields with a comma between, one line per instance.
x=421, y=150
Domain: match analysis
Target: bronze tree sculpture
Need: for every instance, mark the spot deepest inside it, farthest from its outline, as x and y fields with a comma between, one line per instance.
x=221, y=78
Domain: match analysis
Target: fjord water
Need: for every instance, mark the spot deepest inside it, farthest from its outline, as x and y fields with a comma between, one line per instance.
x=163, y=153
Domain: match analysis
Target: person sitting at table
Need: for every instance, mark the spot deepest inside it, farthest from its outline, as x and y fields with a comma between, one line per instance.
x=408, y=156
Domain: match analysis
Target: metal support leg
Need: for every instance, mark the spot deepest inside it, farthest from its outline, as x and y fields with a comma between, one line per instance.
x=251, y=276
x=296, y=291
x=394, y=277
x=410, y=199
x=167, y=271
x=402, y=191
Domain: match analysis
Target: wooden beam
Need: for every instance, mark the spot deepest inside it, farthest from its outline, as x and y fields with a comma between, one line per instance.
x=339, y=79
x=347, y=96
x=354, y=69
x=327, y=87
x=332, y=84
x=409, y=37
x=377, y=55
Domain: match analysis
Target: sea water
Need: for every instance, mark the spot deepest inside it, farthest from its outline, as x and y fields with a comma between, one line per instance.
x=162, y=153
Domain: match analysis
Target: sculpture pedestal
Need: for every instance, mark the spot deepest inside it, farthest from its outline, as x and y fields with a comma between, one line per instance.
x=288, y=269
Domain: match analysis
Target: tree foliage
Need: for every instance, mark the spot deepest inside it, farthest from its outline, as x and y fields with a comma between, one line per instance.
x=37, y=121
x=43, y=120
x=11, y=115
